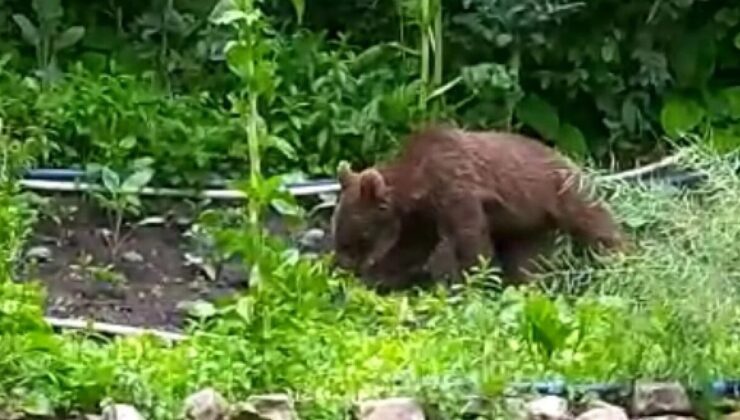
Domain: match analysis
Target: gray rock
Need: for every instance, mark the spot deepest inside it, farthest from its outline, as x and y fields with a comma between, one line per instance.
x=121, y=412
x=206, y=404
x=659, y=398
x=548, y=408
x=312, y=239
x=266, y=407
x=603, y=411
x=39, y=253
x=196, y=308
x=132, y=257
x=666, y=418
x=390, y=409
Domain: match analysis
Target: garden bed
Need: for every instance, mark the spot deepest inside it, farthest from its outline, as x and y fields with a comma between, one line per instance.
x=156, y=275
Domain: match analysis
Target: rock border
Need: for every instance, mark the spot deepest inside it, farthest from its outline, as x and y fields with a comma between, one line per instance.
x=648, y=400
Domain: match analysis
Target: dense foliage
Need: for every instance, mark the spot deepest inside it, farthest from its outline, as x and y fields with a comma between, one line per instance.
x=119, y=80
x=185, y=89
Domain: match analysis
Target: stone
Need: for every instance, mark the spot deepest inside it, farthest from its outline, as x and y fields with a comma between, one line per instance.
x=548, y=408
x=666, y=418
x=206, y=404
x=265, y=407
x=660, y=398
x=312, y=239
x=390, y=409
x=603, y=411
x=39, y=253
x=732, y=416
x=132, y=257
x=121, y=412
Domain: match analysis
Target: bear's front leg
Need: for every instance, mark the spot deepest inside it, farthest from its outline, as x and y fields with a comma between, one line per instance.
x=441, y=263
x=464, y=225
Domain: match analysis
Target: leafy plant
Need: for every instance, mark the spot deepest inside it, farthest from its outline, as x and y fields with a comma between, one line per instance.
x=170, y=27
x=119, y=197
x=47, y=37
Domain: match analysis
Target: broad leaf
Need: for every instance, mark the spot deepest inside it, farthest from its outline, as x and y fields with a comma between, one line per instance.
x=572, y=142
x=540, y=115
x=111, y=180
x=240, y=60
x=128, y=142
x=138, y=179
x=29, y=32
x=680, y=115
x=69, y=37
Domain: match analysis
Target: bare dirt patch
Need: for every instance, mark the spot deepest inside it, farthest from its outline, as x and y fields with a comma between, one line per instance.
x=147, y=284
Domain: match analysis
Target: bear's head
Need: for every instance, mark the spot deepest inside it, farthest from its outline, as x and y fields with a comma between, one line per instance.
x=365, y=225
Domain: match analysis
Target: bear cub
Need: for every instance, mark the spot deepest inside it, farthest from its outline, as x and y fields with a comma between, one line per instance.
x=463, y=194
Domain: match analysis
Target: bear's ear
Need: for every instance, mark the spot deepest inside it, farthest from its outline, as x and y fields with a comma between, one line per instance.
x=373, y=187
x=345, y=174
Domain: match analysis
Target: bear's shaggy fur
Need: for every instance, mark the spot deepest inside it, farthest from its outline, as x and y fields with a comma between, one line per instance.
x=474, y=192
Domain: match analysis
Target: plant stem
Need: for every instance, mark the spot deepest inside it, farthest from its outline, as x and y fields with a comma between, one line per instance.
x=424, y=45
x=437, y=78
x=254, y=154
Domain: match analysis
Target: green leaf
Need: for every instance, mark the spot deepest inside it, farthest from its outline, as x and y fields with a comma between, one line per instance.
x=630, y=115
x=134, y=204
x=680, y=115
x=141, y=163
x=69, y=37
x=29, y=32
x=736, y=41
x=283, y=146
x=286, y=207
x=230, y=16
x=128, y=142
x=240, y=60
x=111, y=180
x=228, y=12
x=733, y=98
x=503, y=40
x=48, y=10
x=571, y=140
x=693, y=58
x=540, y=115
x=138, y=179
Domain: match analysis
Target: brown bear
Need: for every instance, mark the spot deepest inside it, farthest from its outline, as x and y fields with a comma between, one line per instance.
x=470, y=191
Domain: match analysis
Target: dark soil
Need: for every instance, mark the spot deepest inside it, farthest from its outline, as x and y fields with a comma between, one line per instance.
x=147, y=283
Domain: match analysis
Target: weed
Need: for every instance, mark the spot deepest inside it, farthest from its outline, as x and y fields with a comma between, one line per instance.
x=120, y=199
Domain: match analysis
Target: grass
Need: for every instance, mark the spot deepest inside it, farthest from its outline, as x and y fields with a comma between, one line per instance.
x=667, y=310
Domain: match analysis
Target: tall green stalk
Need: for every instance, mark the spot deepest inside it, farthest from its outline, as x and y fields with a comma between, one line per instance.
x=427, y=15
